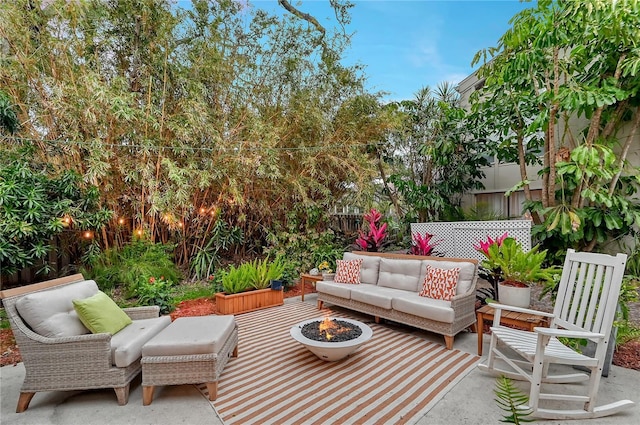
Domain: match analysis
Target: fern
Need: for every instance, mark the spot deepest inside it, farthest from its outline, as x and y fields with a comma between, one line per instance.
x=510, y=399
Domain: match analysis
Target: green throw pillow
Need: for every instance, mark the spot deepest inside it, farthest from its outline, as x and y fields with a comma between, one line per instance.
x=100, y=314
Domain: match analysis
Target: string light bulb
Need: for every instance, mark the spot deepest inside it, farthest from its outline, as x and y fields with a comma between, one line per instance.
x=121, y=221
x=139, y=232
x=88, y=234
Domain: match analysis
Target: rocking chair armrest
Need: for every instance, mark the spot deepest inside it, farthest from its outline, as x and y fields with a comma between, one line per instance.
x=498, y=306
x=566, y=333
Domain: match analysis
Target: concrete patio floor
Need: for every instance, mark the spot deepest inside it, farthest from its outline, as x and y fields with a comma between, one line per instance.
x=471, y=401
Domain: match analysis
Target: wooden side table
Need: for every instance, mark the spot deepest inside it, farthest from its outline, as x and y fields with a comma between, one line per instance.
x=308, y=278
x=511, y=318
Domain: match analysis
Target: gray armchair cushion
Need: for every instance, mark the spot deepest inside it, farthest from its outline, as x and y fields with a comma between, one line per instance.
x=50, y=312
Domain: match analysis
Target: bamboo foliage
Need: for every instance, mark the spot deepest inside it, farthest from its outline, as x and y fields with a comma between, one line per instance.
x=183, y=116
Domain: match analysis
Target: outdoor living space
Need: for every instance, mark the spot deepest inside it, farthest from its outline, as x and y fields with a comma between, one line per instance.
x=186, y=404
x=319, y=212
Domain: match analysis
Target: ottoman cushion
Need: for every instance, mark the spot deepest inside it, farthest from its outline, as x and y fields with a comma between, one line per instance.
x=191, y=335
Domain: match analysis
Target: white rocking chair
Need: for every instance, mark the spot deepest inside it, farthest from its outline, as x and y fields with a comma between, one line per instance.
x=585, y=308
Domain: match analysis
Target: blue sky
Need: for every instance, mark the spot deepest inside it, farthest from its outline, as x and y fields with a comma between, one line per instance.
x=406, y=45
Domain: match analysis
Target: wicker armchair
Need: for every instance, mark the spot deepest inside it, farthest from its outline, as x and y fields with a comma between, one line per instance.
x=78, y=362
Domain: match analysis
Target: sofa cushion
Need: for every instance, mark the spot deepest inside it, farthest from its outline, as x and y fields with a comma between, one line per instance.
x=348, y=271
x=192, y=335
x=342, y=290
x=100, y=314
x=369, y=268
x=50, y=313
x=467, y=272
x=440, y=283
x=126, y=345
x=429, y=308
x=400, y=274
x=373, y=295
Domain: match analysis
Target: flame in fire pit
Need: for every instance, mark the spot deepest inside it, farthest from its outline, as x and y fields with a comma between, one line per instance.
x=330, y=328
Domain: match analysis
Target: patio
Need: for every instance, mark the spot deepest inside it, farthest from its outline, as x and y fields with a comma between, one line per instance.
x=185, y=404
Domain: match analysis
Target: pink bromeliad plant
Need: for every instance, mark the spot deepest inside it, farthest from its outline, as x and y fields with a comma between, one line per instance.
x=488, y=269
x=424, y=245
x=483, y=246
x=373, y=240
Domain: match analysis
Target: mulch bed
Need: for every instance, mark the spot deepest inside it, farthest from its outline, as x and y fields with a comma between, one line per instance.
x=627, y=355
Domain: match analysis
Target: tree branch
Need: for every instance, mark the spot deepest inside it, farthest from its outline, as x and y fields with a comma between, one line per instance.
x=296, y=12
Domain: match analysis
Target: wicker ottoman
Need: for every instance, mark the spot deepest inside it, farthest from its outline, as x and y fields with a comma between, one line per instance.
x=191, y=350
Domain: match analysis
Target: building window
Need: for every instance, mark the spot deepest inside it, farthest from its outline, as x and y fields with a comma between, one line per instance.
x=507, y=206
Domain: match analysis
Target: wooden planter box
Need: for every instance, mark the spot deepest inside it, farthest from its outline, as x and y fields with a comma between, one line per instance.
x=248, y=301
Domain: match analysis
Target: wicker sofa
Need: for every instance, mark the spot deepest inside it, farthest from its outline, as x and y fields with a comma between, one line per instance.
x=389, y=289
x=59, y=353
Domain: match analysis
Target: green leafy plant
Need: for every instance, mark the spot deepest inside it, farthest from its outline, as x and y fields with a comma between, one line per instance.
x=207, y=257
x=517, y=267
x=39, y=204
x=155, y=291
x=510, y=399
x=266, y=271
x=304, y=250
x=132, y=265
x=238, y=279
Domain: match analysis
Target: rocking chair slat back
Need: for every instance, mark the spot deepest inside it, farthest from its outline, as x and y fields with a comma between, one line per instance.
x=585, y=299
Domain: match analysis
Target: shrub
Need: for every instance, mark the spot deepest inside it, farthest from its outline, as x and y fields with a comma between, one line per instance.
x=155, y=291
x=303, y=251
x=133, y=265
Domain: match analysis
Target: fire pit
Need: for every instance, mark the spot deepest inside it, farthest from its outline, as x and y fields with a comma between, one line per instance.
x=331, y=339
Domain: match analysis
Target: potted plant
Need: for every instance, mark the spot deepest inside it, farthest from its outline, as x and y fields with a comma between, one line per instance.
x=246, y=287
x=326, y=270
x=515, y=270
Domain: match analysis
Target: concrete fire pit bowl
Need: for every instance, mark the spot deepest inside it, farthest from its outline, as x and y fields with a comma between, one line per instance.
x=332, y=351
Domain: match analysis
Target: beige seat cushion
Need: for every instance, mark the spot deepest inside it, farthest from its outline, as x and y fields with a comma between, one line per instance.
x=342, y=290
x=50, y=312
x=400, y=274
x=369, y=267
x=373, y=295
x=191, y=335
x=429, y=308
x=126, y=345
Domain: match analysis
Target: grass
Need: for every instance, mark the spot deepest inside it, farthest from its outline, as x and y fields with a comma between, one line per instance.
x=194, y=291
x=4, y=320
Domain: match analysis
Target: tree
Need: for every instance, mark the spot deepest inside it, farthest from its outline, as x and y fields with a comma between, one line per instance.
x=36, y=206
x=183, y=116
x=561, y=64
x=433, y=165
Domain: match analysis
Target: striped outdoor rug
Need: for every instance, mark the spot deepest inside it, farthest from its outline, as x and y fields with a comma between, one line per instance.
x=394, y=378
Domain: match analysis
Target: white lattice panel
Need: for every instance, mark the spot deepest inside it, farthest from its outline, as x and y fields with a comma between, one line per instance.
x=460, y=236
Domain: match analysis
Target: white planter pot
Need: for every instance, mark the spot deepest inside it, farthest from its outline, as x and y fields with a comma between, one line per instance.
x=515, y=296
